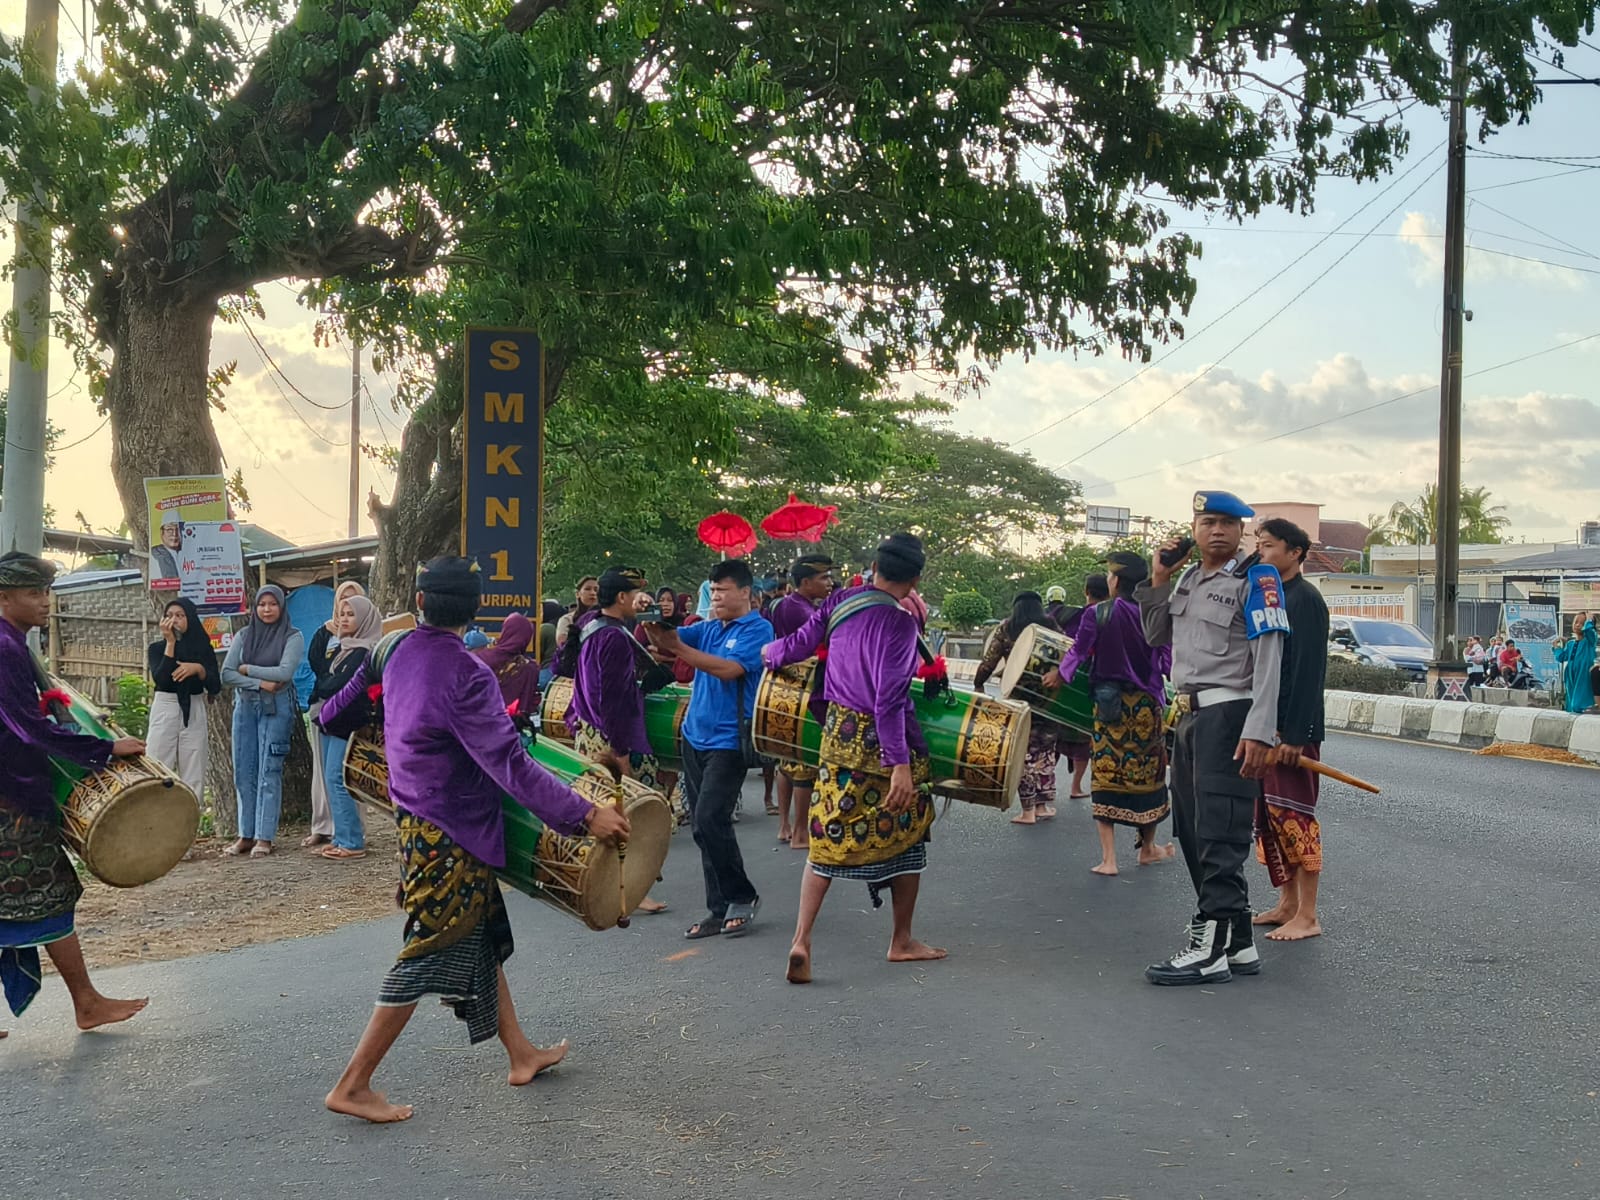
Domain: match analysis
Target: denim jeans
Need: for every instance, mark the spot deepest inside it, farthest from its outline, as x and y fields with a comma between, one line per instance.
x=348, y=831
x=712, y=781
x=261, y=724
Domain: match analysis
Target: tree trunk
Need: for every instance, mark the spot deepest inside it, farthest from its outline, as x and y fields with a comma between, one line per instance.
x=160, y=418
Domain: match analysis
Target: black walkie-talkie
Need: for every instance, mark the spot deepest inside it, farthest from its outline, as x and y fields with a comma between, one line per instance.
x=1174, y=556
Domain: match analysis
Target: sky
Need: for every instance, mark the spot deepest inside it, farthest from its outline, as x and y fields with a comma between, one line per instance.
x=1300, y=323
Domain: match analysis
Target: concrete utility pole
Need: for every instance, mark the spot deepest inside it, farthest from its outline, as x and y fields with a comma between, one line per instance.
x=22, y=520
x=355, y=440
x=1447, y=505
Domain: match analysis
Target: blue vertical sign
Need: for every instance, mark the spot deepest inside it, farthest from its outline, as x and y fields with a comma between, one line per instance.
x=502, y=483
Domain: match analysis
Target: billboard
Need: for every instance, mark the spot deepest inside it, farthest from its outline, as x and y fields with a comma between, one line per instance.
x=211, y=567
x=1101, y=520
x=170, y=502
x=1532, y=626
x=502, y=474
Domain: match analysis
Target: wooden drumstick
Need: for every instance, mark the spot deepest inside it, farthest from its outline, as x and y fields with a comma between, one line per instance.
x=1322, y=768
x=622, y=849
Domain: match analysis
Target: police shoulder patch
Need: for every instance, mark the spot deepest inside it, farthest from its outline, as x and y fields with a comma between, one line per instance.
x=1263, y=607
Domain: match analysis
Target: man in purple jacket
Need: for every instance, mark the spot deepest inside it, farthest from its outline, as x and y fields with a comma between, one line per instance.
x=39, y=888
x=812, y=575
x=452, y=751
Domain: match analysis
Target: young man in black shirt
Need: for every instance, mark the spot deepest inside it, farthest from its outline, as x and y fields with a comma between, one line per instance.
x=1289, y=837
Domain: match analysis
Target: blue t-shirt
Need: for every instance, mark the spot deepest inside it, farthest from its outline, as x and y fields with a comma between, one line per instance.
x=712, y=722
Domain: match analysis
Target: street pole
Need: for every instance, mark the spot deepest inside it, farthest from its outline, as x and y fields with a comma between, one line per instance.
x=1447, y=507
x=355, y=440
x=22, y=519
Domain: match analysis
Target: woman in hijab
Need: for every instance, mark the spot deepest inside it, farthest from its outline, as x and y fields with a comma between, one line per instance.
x=184, y=667
x=260, y=669
x=515, y=667
x=324, y=645
x=359, y=625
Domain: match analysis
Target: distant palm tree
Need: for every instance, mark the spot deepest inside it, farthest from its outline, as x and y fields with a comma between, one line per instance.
x=1414, y=523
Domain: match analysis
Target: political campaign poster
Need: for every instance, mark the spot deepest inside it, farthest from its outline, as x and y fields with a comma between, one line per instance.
x=170, y=502
x=211, y=566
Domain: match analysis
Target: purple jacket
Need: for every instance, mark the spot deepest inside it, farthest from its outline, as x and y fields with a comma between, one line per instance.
x=605, y=690
x=872, y=659
x=452, y=750
x=1117, y=652
x=790, y=614
x=28, y=739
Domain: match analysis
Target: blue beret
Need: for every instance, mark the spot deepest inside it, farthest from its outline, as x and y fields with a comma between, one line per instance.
x=1223, y=504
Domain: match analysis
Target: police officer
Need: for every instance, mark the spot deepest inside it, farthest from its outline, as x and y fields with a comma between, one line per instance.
x=1224, y=620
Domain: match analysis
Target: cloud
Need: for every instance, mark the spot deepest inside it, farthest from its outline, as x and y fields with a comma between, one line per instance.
x=1485, y=262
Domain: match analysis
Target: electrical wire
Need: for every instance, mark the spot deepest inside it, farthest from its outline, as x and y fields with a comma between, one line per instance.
x=1571, y=246
x=1494, y=187
x=1326, y=271
x=267, y=460
x=272, y=365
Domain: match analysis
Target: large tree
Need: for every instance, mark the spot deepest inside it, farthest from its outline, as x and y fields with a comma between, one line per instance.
x=922, y=182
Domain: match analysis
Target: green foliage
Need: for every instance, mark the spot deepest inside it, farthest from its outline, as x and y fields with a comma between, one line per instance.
x=132, y=710
x=1416, y=522
x=965, y=610
x=1358, y=677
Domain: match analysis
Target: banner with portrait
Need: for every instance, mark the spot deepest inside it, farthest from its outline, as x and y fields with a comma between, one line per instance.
x=170, y=503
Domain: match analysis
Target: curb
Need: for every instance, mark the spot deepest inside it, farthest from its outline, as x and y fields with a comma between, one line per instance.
x=1473, y=726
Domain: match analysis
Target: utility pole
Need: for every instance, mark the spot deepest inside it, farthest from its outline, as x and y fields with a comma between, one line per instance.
x=1447, y=514
x=355, y=439
x=22, y=520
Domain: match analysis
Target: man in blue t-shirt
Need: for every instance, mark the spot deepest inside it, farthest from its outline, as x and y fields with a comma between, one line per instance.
x=725, y=652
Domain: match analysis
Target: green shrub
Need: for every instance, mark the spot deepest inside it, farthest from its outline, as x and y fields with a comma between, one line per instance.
x=965, y=610
x=1358, y=677
x=132, y=711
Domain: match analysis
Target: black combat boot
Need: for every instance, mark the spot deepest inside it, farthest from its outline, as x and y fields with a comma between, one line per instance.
x=1243, y=957
x=1203, y=960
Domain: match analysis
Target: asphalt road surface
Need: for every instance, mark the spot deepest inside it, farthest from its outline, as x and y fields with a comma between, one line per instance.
x=1439, y=1042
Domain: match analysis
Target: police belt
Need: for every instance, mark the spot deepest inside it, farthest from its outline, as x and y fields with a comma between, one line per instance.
x=1194, y=700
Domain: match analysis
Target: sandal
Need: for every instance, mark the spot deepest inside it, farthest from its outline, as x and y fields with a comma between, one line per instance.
x=261, y=850
x=339, y=853
x=740, y=917
x=241, y=847
x=312, y=840
x=710, y=927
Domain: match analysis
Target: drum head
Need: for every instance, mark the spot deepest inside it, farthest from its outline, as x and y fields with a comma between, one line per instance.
x=650, y=819
x=1020, y=664
x=143, y=833
x=1017, y=759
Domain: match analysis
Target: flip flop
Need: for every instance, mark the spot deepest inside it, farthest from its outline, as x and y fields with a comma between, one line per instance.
x=340, y=854
x=710, y=927
x=261, y=850
x=744, y=914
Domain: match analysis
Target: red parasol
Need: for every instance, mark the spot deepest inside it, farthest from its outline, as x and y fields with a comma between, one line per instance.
x=800, y=521
x=728, y=532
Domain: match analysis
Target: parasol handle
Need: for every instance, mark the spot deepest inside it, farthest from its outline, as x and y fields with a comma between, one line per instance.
x=1322, y=768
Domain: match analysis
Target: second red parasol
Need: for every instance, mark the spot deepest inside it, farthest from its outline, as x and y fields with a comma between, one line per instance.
x=799, y=521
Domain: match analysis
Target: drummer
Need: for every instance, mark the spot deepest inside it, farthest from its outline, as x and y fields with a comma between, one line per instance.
x=39, y=888
x=874, y=757
x=452, y=751
x=1225, y=622
x=812, y=576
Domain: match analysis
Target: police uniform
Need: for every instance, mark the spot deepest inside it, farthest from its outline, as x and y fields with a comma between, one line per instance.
x=1225, y=630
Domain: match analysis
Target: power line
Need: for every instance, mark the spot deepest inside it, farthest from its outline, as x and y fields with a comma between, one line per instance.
x=272, y=364
x=1544, y=262
x=1249, y=296
x=267, y=460
x=1329, y=269
x=1572, y=246
x=275, y=377
x=80, y=441
x=1493, y=187
x=1355, y=412
x=1565, y=160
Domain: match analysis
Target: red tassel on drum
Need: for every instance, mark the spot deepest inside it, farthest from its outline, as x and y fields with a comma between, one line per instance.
x=53, y=697
x=934, y=670
x=822, y=653
x=375, y=693
x=514, y=709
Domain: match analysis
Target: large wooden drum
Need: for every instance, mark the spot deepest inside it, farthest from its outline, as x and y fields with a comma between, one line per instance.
x=1037, y=652
x=130, y=823
x=979, y=745
x=578, y=875
x=553, y=707
x=663, y=719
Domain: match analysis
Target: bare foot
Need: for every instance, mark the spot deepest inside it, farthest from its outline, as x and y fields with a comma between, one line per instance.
x=1045, y=811
x=785, y=834
x=1150, y=855
x=1297, y=929
x=801, y=844
x=103, y=1011
x=533, y=1060
x=651, y=905
x=1278, y=915
x=368, y=1105
x=1025, y=817
x=799, y=965
x=915, y=951
x=1104, y=868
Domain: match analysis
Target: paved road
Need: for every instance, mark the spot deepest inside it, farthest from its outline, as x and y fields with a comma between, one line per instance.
x=1438, y=1043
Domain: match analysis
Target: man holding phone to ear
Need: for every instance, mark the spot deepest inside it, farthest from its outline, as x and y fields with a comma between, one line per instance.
x=1225, y=622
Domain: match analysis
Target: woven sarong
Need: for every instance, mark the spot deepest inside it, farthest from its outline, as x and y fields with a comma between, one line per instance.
x=39, y=890
x=1288, y=834
x=1130, y=764
x=1038, y=783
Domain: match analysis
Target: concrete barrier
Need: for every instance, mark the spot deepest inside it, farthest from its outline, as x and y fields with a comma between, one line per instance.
x=1452, y=723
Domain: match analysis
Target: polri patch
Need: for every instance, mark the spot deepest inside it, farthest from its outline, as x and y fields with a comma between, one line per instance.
x=1263, y=608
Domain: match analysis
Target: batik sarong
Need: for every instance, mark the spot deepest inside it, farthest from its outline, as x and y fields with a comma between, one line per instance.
x=1038, y=783
x=853, y=836
x=1288, y=834
x=39, y=890
x=1130, y=764
x=798, y=774
x=457, y=933
x=591, y=743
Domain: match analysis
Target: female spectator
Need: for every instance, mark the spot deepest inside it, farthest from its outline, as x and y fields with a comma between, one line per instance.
x=1577, y=659
x=184, y=667
x=1037, y=790
x=512, y=661
x=324, y=645
x=260, y=669
x=360, y=625
x=587, y=596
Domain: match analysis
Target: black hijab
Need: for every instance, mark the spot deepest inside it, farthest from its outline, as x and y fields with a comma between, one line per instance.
x=193, y=646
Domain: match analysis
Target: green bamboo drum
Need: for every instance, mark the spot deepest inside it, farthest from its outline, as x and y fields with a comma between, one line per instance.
x=584, y=878
x=1037, y=652
x=978, y=745
x=130, y=823
x=663, y=719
